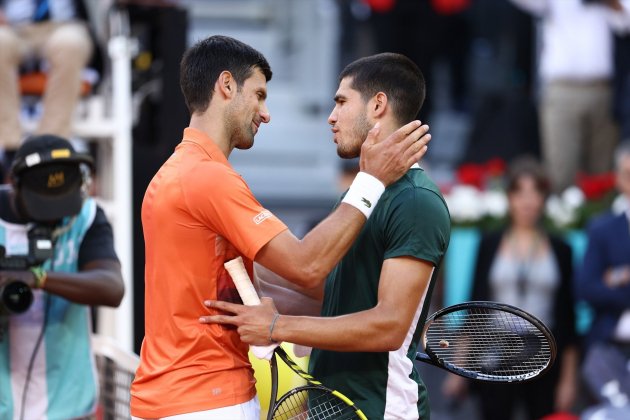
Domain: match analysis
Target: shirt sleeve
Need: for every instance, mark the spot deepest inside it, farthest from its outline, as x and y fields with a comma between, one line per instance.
x=221, y=199
x=418, y=225
x=98, y=242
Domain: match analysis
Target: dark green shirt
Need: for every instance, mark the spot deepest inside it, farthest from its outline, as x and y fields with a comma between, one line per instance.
x=410, y=219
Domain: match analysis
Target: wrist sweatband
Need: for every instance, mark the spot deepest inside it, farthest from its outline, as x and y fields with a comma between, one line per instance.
x=40, y=277
x=364, y=193
x=273, y=324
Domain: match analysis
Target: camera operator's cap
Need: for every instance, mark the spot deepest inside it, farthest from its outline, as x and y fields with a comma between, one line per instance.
x=48, y=174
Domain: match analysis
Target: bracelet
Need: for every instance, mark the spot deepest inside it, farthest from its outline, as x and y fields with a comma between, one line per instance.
x=364, y=193
x=40, y=277
x=273, y=324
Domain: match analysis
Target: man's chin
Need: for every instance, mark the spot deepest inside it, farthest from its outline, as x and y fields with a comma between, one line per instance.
x=348, y=154
x=245, y=144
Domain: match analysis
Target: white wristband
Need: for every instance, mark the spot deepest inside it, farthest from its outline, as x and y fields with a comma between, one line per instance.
x=364, y=193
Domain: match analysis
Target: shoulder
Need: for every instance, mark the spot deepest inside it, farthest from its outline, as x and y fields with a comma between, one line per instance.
x=206, y=179
x=209, y=172
x=418, y=190
x=100, y=218
x=603, y=223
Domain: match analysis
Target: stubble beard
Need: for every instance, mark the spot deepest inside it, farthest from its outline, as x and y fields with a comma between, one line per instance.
x=358, y=134
x=241, y=135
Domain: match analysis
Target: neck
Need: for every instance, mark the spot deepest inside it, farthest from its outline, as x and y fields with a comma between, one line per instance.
x=213, y=128
x=523, y=230
x=387, y=128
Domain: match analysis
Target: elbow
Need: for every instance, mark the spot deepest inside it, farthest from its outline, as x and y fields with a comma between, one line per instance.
x=116, y=294
x=393, y=342
x=118, y=297
x=391, y=336
x=308, y=276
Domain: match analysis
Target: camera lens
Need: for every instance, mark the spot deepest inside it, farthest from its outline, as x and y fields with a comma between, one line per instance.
x=16, y=297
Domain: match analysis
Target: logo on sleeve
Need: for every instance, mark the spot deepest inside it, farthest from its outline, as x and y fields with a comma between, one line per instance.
x=260, y=217
x=367, y=202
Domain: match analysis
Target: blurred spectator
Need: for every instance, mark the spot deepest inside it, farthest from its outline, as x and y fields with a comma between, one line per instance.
x=576, y=70
x=604, y=283
x=53, y=30
x=427, y=31
x=525, y=266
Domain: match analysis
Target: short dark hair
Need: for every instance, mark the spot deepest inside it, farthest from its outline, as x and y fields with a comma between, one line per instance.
x=393, y=74
x=527, y=166
x=202, y=64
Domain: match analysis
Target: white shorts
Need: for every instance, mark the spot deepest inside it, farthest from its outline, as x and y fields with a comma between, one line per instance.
x=249, y=410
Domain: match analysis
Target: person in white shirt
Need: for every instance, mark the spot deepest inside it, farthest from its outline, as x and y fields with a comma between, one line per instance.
x=578, y=130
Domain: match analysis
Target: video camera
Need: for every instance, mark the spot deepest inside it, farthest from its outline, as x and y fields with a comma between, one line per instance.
x=15, y=296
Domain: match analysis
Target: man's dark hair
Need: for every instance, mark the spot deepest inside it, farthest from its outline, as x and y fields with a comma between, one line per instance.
x=203, y=63
x=393, y=74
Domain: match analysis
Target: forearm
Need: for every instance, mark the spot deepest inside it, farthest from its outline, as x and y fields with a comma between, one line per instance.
x=359, y=332
x=604, y=298
x=325, y=245
x=306, y=262
x=101, y=285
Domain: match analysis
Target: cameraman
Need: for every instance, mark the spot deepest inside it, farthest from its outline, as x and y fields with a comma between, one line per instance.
x=46, y=364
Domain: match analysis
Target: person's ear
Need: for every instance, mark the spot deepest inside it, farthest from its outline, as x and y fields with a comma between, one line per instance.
x=226, y=84
x=379, y=104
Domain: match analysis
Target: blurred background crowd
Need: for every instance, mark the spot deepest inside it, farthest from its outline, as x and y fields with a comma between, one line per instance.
x=529, y=107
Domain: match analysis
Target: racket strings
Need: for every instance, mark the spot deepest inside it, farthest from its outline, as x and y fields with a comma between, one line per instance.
x=489, y=342
x=312, y=404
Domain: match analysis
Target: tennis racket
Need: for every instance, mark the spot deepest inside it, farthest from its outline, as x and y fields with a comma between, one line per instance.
x=312, y=401
x=488, y=341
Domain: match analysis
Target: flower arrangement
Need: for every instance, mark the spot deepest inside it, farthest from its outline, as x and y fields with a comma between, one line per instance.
x=478, y=198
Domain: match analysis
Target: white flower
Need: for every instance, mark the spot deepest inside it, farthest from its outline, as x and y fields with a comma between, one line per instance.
x=495, y=203
x=573, y=197
x=464, y=204
x=561, y=214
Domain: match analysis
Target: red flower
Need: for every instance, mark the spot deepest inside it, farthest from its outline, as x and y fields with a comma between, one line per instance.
x=495, y=167
x=380, y=6
x=471, y=174
x=480, y=174
x=595, y=187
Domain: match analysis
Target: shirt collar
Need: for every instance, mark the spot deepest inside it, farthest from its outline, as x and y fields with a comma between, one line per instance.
x=200, y=138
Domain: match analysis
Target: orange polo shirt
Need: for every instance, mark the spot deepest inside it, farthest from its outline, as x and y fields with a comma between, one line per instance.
x=197, y=214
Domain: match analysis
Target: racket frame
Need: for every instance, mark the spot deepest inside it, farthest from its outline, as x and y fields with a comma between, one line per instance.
x=429, y=356
x=311, y=383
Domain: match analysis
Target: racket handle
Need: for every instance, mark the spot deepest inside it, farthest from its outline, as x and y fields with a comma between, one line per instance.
x=248, y=294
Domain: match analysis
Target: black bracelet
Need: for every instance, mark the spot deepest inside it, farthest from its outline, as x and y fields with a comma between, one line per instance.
x=273, y=324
